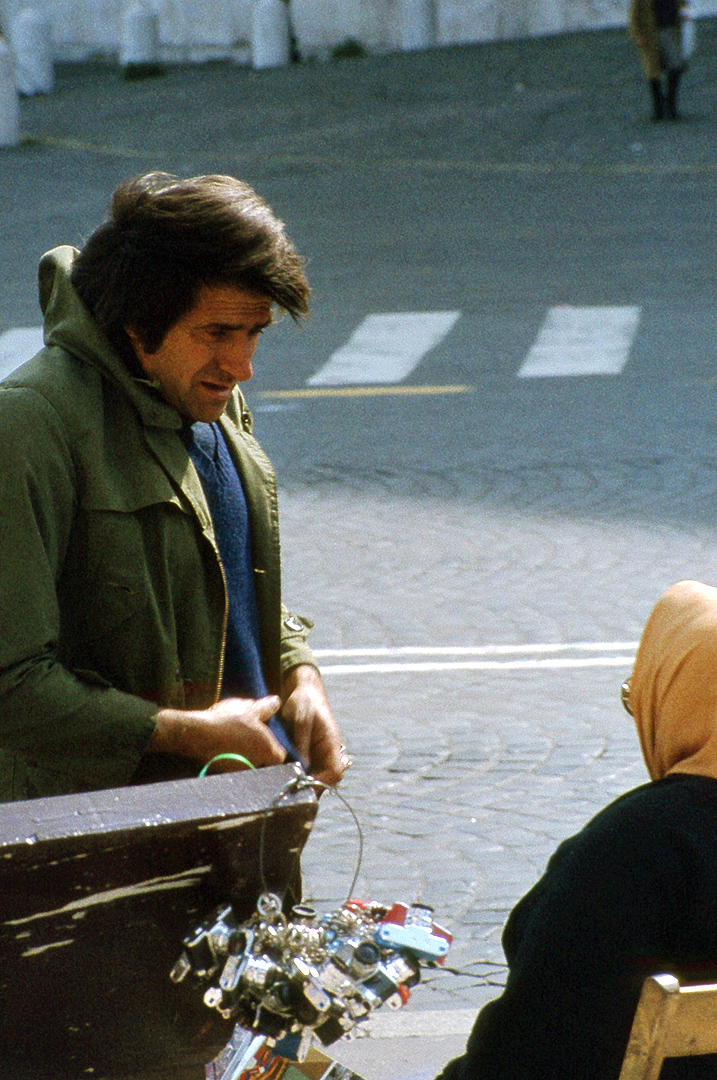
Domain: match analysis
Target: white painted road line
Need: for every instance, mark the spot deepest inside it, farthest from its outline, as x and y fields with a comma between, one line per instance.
x=582, y=341
x=17, y=346
x=480, y=650
x=480, y=665
x=396, y=658
x=385, y=348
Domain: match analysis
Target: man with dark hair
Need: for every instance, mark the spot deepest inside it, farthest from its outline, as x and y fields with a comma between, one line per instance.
x=142, y=630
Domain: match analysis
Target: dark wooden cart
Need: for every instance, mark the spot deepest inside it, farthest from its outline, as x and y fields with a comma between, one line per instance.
x=97, y=892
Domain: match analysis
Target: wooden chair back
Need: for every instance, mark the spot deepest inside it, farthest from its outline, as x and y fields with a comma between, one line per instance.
x=670, y=1021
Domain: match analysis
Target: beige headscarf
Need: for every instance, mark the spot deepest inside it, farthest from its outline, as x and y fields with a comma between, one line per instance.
x=673, y=690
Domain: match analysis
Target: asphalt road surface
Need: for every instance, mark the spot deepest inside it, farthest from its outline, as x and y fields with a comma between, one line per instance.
x=494, y=438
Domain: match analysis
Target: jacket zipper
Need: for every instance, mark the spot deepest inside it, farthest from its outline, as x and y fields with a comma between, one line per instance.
x=225, y=624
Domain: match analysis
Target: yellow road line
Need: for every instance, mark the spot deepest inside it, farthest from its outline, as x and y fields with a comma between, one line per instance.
x=363, y=391
x=626, y=168
x=88, y=148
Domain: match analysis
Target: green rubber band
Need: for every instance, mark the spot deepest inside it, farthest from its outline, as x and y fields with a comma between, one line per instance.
x=221, y=757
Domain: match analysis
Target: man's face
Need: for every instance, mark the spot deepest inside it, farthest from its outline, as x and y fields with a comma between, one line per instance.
x=208, y=351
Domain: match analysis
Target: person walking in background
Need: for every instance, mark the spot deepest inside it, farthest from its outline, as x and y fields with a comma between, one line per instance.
x=656, y=29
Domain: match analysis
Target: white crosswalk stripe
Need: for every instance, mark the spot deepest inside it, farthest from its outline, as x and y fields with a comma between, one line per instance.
x=17, y=346
x=385, y=348
x=582, y=341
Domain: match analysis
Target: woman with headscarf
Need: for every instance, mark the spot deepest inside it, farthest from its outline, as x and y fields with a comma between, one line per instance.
x=656, y=29
x=633, y=894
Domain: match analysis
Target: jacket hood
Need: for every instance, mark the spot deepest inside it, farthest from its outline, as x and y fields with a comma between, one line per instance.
x=673, y=690
x=69, y=325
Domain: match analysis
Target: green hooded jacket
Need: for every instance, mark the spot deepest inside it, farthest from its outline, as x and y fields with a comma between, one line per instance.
x=112, y=594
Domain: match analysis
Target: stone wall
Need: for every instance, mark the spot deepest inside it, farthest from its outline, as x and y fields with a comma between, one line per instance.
x=195, y=30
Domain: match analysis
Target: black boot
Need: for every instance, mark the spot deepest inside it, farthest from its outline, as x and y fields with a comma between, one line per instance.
x=673, y=81
x=658, y=102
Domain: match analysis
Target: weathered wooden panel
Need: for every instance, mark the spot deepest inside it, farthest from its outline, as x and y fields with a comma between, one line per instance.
x=97, y=892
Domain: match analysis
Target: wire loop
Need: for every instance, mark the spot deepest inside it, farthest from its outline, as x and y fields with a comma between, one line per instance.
x=296, y=784
x=222, y=757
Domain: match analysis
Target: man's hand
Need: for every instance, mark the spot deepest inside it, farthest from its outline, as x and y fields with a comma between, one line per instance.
x=232, y=726
x=312, y=729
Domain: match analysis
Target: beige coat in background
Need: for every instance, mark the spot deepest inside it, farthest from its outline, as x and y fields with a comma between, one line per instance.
x=643, y=31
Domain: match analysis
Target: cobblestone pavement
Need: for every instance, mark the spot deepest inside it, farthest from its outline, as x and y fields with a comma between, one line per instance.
x=466, y=779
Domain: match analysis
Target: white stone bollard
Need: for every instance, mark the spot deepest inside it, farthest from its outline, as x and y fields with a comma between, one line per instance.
x=139, y=37
x=417, y=24
x=9, y=103
x=31, y=41
x=270, y=35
